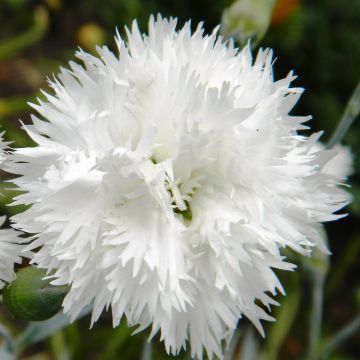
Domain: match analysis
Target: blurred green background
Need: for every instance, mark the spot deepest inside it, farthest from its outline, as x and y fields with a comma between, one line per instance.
x=318, y=39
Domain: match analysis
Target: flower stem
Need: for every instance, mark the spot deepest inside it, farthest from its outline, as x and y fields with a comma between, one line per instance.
x=250, y=346
x=351, y=112
x=9, y=341
x=230, y=352
x=147, y=351
x=316, y=315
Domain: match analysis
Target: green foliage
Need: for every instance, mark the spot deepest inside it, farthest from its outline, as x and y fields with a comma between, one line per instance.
x=285, y=317
x=11, y=47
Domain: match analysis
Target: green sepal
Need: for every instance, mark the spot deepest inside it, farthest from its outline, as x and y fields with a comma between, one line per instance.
x=30, y=297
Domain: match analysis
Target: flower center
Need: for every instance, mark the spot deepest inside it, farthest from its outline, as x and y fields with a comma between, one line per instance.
x=180, y=202
x=180, y=192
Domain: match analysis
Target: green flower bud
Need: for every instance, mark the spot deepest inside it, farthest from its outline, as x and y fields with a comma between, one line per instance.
x=30, y=297
x=246, y=19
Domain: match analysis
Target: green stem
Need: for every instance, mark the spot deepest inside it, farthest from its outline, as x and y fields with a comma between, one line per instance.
x=336, y=340
x=230, y=352
x=316, y=316
x=250, y=346
x=147, y=351
x=58, y=346
x=9, y=341
x=350, y=114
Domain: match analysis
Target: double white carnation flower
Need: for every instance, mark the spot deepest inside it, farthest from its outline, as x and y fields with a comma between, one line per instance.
x=167, y=179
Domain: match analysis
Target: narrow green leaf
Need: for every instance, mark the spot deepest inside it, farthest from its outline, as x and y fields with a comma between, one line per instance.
x=285, y=316
x=351, y=112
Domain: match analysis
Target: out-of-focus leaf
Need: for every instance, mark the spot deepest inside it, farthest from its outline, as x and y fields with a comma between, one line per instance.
x=16, y=4
x=38, y=331
x=355, y=204
x=117, y=339
x=8, y=192
x=13, y=46
x=350, y=114
x=284, y=316
x=15, y=104
x=14, y=134
x=74, y=337
x=348, y=257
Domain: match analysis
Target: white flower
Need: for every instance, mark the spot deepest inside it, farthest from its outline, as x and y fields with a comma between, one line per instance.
x=9, y=241
x=167, y=179
x=341, y=163
x=3, y=146
x=10, y=251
